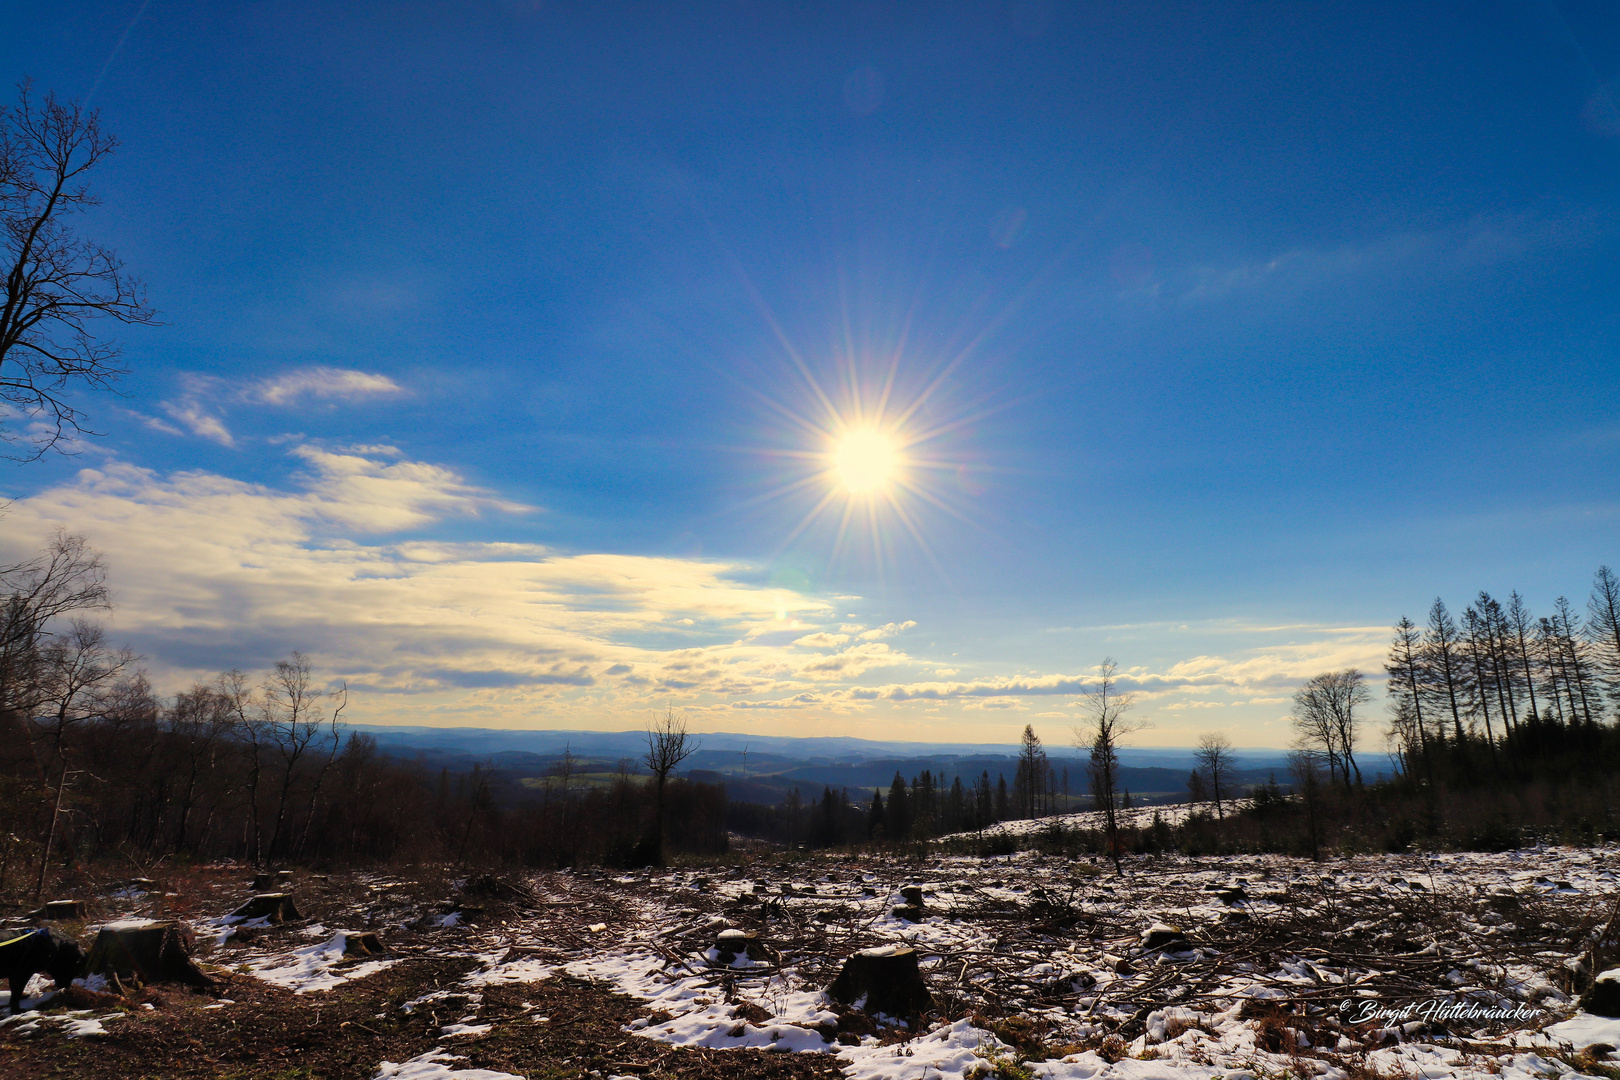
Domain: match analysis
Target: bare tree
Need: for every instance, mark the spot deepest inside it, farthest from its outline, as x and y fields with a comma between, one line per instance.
x=1103, y=732
x=1572, y=642
x=77, y=669
x=296, y=723
x=249, y=725
x=1215, y=763
x=668, y=744
x=57, y=284
x=1326, y=721
x=200, y=719
x=67, y=577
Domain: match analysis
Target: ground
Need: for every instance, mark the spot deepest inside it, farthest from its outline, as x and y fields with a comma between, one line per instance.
x=1039, y=966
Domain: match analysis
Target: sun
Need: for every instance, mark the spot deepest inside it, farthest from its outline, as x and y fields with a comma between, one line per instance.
x=865, y=461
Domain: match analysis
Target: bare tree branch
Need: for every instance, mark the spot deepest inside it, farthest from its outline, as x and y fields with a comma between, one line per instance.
x=57, y=283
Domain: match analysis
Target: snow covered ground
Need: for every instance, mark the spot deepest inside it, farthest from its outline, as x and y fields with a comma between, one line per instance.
x=1405, y=966
x=1243, y=968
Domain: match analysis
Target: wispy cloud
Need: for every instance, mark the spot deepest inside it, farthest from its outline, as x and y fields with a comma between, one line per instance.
x=1457, y=247
x=324, y=383
x=205, y=399
x=190, y=412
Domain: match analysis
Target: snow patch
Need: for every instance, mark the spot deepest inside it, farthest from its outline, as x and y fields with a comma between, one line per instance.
x=316, y=967
x=434, y=1065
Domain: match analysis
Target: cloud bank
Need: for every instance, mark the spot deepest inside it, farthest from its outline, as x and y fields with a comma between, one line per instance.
x=340, y=562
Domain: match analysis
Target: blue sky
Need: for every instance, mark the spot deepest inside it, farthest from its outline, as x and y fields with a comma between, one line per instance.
x=503, y=344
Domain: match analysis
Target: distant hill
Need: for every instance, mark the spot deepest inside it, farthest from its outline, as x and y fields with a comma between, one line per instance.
x=765, y=768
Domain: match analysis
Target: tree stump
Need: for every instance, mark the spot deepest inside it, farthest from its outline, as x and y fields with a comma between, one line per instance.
x=263, y=883
x=730, y=944
x=362, y=943
x=1164, y=936
x=883, y=980
x=277, y=907
x=147, y=950
x=60, y=911
x=909, y=912
x=1603, y=998
x=913, y=895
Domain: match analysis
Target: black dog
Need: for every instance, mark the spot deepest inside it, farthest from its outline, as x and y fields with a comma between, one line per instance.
x=56, y=954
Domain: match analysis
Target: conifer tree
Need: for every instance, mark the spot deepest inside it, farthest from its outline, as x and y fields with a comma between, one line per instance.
x=1603, y=627
x=1442, y=665
x=899, y=809
x=875, y=818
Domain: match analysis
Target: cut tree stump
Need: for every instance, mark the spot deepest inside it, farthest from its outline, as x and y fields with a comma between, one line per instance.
x=277, y=907
x=912, y=895
x=60, y=911
x=1164, y=936
x=147, y=950
x=730, y=944
x=273, y=881
x=884, y=980
x=1603, y=998
x=362, y=943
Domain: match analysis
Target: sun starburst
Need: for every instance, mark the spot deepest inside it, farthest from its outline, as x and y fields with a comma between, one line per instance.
x=870, y=472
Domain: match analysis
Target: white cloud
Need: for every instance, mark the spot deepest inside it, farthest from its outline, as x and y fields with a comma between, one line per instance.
x=821, y=640
x=212, y=572
x=853, y=661
x=324, y=383
x=887, y=630
x=204, y=399
x=190, y=412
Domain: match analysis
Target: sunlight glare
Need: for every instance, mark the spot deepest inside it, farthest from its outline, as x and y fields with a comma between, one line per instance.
x=865, y=461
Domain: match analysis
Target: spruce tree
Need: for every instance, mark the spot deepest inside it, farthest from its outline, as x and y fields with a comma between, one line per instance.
x=899, y=810
x=1443, y=670
x=1603, y=627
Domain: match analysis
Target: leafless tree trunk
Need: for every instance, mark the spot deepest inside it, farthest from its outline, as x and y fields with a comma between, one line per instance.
x=1326, y=721
x=1215, y=762
x=668, y=744
x=333, y=741
x=75, y=667
x=1106, y=726
x=245, y=714
x=293, y=719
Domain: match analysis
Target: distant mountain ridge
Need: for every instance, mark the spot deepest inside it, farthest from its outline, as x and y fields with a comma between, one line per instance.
x=804, y=750
x=768, y=768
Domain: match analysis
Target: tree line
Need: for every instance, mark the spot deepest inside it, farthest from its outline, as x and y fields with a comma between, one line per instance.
x=96, y=766
x=1502, y=688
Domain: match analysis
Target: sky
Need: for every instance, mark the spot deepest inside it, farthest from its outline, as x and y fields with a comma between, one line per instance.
x=859, y=368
